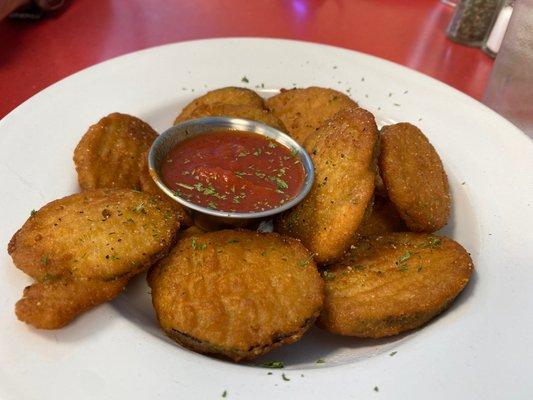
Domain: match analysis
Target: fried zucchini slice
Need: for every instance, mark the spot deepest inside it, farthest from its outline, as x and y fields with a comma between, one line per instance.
x=237, y=111
x=108, y=155
x=226, y=95
x=303, y=111
x=237, y=294
x=87, y=246
x=383, y=219
x=343, y=153
x=414, y=177
x=391, y=283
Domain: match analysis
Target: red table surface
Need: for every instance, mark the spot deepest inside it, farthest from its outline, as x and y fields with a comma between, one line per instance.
x=34, y=55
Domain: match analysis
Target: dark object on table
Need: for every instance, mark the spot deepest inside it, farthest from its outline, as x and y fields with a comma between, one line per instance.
x=36, y=9
x=472, y=20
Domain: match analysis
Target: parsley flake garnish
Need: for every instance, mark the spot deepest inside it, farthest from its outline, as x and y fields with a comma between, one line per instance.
x=273, y=364
x=320, y=361
x=197, y=246
x=305, y=261
x=393, y=353
x=434, y=242
x=44, y=260
x=402, y=261
x=224, y=393
x=139, y=208
x=376, y=389
x=245, y=79
x=328, y=276
x=284, y=377
x=233, y=241
x=32, y=213
x=280, y=183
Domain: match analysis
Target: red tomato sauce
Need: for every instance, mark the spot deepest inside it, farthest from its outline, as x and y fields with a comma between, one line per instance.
x=233, y=171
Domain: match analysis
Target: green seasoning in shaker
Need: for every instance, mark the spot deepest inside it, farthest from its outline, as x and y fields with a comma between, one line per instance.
x=472, y=20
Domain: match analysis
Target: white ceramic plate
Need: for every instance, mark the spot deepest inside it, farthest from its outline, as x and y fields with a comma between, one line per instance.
x=480, y=348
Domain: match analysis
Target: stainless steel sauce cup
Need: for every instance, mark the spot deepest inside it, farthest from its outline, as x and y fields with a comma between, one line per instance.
x=208, y=218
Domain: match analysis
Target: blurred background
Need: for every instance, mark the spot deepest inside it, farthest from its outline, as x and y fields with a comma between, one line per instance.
x=44, y=41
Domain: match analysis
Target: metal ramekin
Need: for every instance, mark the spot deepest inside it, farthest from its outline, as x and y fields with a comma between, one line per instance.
x=206, y=217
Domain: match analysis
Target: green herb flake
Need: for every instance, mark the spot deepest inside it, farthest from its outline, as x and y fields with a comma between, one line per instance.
x=233, y=241
x=304, y=262
x=269, y=373
x=320, y=361
x=224, y=393
x=245, y=79
x=44, y=260
x=284, y=377
x=393, y=353
x=328, y=276
x=197, y=246
x=280, y=183
x=434, y=242
x=376, y=389
x=32, y=213
x=139, y=208
x=404, y=257
x=403, y=267
x=212, y=205
x=273, y=364
x=272, y=145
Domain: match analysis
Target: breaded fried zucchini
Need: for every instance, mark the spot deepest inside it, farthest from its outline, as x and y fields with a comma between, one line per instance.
x=391, y=283
x=237, y=294
x=83, y=249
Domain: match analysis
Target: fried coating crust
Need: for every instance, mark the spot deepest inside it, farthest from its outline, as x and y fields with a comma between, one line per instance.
x=303, y=111
x=86, y=246
x=343, y=154
x=52, y=305
x=414, y=177
x=149, y=186
x=108, y=155
x=226, y=95
x=237, y=294
x=383, y=219
x=235, y=111
x=388, y=284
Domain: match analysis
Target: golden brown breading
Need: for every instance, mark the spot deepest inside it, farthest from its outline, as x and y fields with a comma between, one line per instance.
x=81, y=244
x=149, y=186
x=53, y=304
x=343, y=154
x=226, y=95
x=108, y=155
x=303, y=111
x=392, y=283
x=383, y=219
x=414, y=177
x=235, y=111
x=236, y=293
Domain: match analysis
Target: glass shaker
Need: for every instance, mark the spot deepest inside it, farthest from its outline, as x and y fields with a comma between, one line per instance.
x=510, y=87
x=472, y=20
x=494, y=38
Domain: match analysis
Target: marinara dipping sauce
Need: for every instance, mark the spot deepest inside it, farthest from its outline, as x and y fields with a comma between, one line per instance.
x=233, y=171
